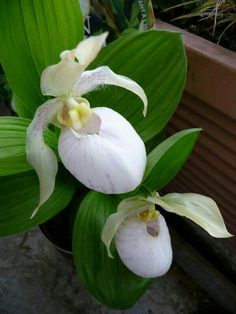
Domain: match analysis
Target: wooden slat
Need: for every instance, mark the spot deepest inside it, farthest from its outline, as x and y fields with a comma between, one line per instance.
x=206, y=275
x=211, y=72
x=209, y=102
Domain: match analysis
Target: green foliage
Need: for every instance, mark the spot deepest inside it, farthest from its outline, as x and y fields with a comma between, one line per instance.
x=105, y=278
x=12, y=145
x=167, y=158
x=117, y=16
x=19, y=197
x=219, y=13
x=33, y=34
x=154, y=59
x=4, y=88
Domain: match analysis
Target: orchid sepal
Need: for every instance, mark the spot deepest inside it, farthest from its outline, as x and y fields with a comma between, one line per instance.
x=40, y=155
x=199, y=208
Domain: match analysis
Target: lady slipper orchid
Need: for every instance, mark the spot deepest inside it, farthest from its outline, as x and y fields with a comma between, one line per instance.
x=141, y=235
x=97, y=145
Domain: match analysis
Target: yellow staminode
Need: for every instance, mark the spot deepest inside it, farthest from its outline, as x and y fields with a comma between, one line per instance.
x=75, y=113
x=148, y=214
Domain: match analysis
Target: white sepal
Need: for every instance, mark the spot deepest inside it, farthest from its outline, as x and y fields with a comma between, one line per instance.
x=103, y=75
x=145, y=255
x=125, y=208
x=88, y=49
x=111, y=161
x=199, y=208
x=39, y=155
x=59, y=79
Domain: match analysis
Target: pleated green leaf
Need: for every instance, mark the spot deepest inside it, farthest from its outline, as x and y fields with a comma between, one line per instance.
x=19, y=197
x=167, y=158
x=107, y=279
x=154, y=59
x=12, y=145
x=32, y=34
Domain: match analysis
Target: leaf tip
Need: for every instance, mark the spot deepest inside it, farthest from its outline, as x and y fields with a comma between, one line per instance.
x=34, y=212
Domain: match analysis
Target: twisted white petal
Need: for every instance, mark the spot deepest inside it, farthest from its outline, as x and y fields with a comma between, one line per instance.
x=103, y=75
x=199, y=208
x=145, y=249
x=39, y=155
x=112, y=161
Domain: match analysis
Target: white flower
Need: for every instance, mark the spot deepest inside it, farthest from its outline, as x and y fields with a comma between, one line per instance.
x=98, y=146
x=141, y=235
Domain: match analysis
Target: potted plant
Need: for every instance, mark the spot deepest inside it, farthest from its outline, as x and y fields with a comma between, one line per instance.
x=73, y=144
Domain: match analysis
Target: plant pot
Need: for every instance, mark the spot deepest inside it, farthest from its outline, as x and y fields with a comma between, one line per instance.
x=58, y=232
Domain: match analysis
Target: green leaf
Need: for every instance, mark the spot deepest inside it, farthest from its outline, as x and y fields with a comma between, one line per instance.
x=199, y=208
x=105, y=278
x=156, y=60
x=33, y=34
x=12, y=145
x=19, y=197
x=167, y=158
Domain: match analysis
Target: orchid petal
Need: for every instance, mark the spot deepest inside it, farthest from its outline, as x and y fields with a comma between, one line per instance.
x=111, y=161
x=59, y=79
x=39, y=155
x=126, y=208
x=199, y=208
x=145, y=254
x=88, y=49
x=103, y=75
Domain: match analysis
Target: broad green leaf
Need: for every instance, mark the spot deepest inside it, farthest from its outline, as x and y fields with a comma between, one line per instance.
x=33, y=34
x=167, y=158
x=12, y=145
x=156, y=61
x=199, y=208
x=105, y=278
x=20, y=195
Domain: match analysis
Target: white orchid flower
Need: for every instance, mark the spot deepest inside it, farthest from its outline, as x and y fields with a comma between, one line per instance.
x=98, y=146
x=141, y=235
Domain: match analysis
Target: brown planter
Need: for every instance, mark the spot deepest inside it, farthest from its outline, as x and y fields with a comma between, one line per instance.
x=209, y=102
